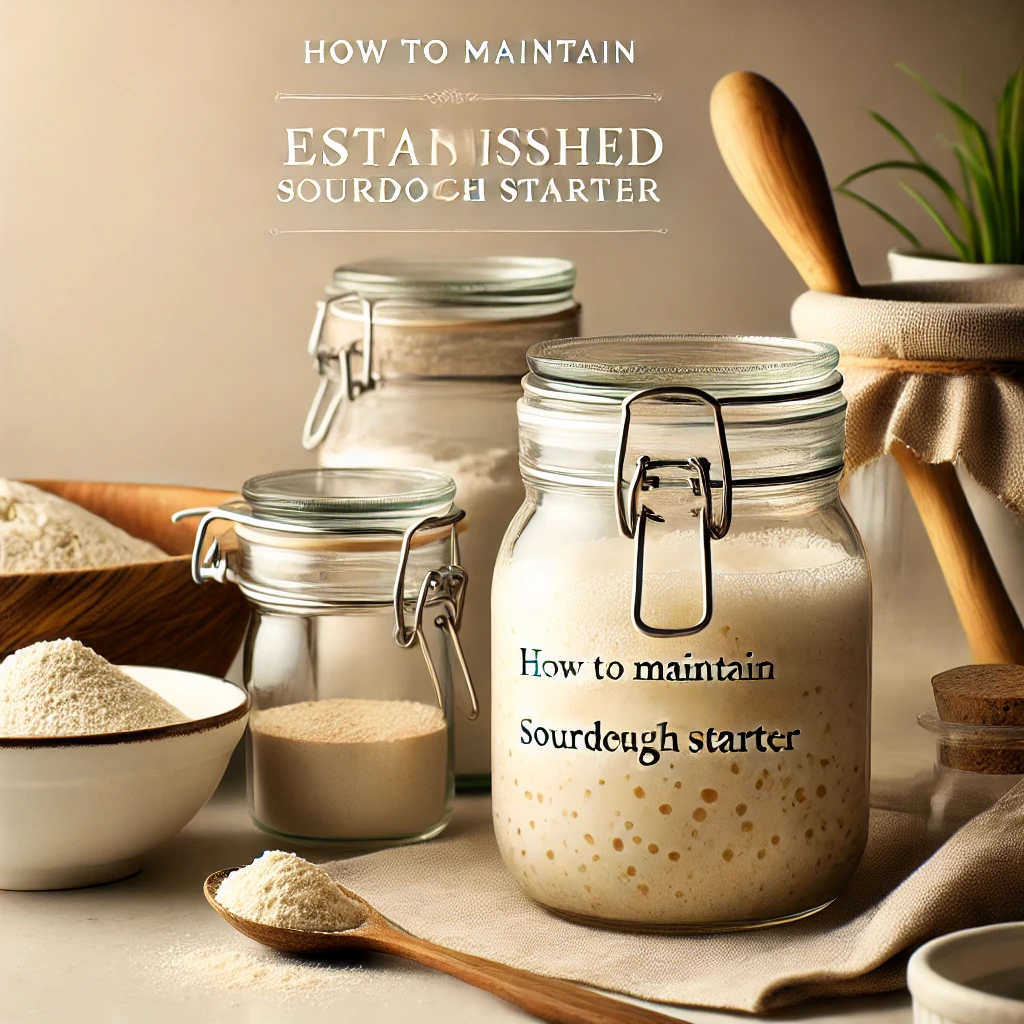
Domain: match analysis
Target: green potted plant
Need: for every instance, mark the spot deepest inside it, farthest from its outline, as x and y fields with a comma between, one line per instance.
x=982, y=220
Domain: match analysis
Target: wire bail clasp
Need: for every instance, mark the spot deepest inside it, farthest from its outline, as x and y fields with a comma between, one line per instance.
x=632, y=515
x=335, y=370
x=214, y=565
x=444, y=588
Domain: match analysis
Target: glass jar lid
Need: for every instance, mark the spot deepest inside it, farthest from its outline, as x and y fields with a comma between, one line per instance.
x=318, y=538
x=720, y=365
x=492, y=280
x=590, y=406
x=330, y=497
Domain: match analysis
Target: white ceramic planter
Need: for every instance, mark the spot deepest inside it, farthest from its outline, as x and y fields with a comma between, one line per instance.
x=921, y=265
x=970, y=977
x=84, y=809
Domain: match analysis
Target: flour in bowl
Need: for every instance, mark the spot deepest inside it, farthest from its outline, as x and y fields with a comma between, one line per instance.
x=63, y=688
x=285, y=891
x=41, y=532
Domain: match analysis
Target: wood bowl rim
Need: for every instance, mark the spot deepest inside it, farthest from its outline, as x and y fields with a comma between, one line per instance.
x=105, y=569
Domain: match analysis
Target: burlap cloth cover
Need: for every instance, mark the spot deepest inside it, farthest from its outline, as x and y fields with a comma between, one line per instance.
x=975, y=419
x=909, y=887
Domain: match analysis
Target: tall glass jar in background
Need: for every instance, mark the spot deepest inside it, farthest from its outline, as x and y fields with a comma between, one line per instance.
x=682, y=636
x=357, y=750
x=420, y=365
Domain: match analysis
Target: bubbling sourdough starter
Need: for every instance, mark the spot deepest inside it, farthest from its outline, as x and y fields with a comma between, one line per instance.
x=761, y=814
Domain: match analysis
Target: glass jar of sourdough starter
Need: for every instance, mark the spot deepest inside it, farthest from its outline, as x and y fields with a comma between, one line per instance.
x=682, y=636
x=357, y=749
x=420, y=365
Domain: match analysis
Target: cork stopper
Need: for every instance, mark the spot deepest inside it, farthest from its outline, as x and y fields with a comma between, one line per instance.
x=985, y=696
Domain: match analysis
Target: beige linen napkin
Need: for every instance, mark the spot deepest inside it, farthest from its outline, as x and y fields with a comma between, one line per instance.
x=455, y=891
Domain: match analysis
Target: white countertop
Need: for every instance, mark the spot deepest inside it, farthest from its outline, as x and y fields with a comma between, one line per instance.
x=149, y=948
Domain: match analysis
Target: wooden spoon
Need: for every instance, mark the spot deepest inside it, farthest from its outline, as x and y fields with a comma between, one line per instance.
x=773, y=160
x=550, y=999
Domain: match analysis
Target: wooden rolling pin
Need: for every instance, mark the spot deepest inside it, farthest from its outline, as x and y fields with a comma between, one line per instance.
x=773, y=160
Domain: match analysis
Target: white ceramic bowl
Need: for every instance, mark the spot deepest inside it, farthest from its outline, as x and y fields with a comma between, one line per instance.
x=80, y=810
x=970, y=977
x=921, y=265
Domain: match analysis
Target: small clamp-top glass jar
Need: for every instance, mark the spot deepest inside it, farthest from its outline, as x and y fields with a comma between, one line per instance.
x=420, y=364
x=357, y=749
x=682, y=633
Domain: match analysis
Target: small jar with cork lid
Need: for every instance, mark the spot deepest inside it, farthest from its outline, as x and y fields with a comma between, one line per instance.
x=420, y=363
x=978, y=724
x=357, y=749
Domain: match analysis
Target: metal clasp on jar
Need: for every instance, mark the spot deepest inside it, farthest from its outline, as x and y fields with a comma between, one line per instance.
x=444, y=587
x=632, y=515
x=335, y=370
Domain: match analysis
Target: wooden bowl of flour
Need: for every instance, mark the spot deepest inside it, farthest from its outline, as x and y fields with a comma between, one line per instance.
x=145, y=613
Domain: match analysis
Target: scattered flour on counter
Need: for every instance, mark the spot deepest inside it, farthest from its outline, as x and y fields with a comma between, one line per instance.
x=63, y=688
x=237, y=969
x=237, y=966
x=40, y=532
x=285, y=891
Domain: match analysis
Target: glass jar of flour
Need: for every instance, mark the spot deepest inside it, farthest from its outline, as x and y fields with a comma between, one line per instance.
x=356, y=749
x=420, y=364
x=682, y=634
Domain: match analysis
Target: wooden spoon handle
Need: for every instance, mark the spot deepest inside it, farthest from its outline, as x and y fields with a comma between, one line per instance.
x=985, y=609
x=773, y=160
x=550, y=999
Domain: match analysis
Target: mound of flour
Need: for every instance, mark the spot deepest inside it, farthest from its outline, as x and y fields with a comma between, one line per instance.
x=286, y=891
x=63, y=688
x=39, y=532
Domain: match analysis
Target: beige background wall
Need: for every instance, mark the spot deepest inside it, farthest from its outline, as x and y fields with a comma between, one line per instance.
x=153, y=329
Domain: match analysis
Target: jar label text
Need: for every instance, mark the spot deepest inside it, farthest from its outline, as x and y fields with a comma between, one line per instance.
x=650, y=744
x=535, y=665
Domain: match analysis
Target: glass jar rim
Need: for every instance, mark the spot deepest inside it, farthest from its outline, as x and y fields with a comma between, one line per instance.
x=327, y=495
x=486, y=280
x=776, y=403
x=718, y=364
x=969, y=733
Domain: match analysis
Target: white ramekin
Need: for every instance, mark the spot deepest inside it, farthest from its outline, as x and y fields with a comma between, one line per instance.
x=947, y=977
x=922, y=265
